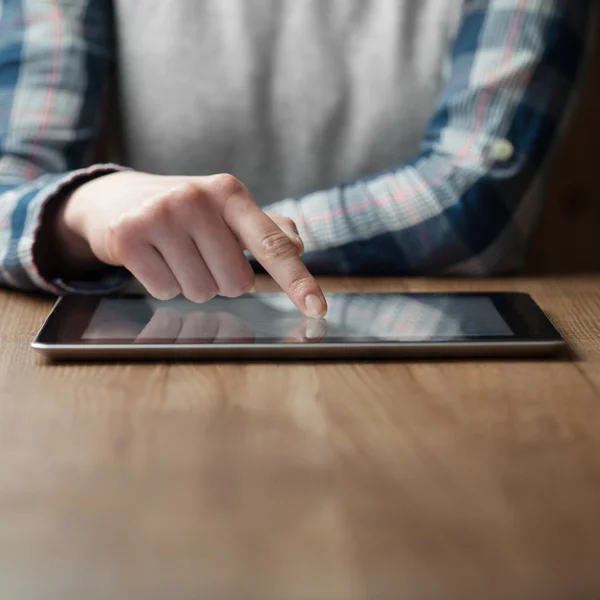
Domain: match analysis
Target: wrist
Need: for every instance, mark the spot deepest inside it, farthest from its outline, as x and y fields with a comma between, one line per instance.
x=62, y=250
x=70, y=230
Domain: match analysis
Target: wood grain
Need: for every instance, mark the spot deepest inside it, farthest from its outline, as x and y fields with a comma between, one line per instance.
x=415, y=480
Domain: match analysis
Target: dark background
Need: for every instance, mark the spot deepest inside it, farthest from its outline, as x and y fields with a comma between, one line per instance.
x=568, y=238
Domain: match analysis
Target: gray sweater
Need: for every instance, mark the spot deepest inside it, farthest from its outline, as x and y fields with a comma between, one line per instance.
x=290, y=96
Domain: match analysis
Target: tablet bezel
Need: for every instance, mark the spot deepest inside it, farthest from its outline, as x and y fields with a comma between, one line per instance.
x=533, y=332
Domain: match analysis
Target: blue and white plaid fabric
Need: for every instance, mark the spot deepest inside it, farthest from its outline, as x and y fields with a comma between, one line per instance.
x=467, y=204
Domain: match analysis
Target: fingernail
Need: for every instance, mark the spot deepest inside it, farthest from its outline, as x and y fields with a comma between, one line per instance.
x=315, y=307
x=252, y=290
x=299, y=239
x=314, y=329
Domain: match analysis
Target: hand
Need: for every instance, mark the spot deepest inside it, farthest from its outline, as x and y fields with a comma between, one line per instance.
x=185, y=235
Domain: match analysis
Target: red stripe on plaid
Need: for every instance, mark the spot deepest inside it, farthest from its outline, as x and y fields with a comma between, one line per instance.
x=487, y=91
x=31, y=171
x=399, y=195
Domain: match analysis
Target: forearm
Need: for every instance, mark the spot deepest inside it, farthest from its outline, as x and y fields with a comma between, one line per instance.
x=470, y=200
x=420, y=219
x=43, y=154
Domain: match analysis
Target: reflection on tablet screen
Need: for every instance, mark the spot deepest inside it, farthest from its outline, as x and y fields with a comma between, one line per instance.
x=273, y=317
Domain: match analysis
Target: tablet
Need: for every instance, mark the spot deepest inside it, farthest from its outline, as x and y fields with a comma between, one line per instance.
x=269, y=326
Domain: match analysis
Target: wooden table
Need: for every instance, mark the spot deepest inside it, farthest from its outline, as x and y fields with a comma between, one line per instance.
x=417, y=480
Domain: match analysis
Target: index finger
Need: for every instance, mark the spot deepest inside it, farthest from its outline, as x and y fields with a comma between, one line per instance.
x=275, y=252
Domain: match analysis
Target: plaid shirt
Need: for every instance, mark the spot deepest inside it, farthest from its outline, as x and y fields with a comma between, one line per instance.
x=467, y=204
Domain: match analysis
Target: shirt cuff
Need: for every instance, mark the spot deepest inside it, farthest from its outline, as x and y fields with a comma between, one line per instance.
x=110, y=280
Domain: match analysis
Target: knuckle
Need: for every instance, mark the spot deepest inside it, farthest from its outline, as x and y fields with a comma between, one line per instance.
x=179, y=202
x=301, y=286
x=276, y=245
x=227, y=185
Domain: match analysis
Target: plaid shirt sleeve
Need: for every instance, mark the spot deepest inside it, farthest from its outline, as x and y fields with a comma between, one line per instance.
x=468, y=203
x=54, y=58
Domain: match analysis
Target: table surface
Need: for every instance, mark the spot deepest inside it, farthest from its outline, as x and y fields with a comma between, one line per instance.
x=298, y=481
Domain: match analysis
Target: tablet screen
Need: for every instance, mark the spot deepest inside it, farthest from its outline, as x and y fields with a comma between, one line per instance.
x=267, y=318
